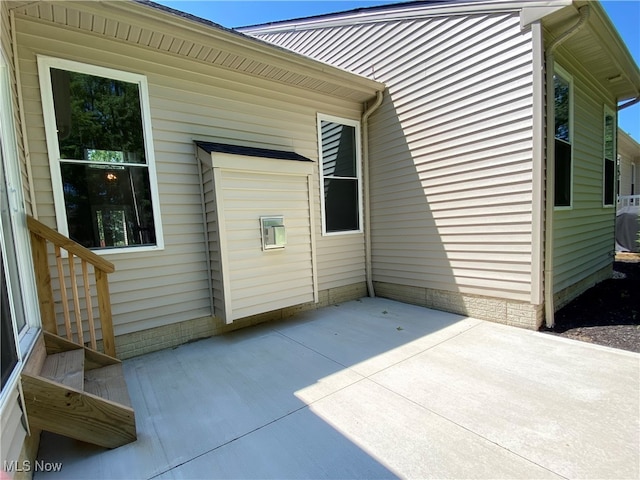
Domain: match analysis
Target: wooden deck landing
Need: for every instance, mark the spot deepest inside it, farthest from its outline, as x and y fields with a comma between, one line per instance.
x=64, y=397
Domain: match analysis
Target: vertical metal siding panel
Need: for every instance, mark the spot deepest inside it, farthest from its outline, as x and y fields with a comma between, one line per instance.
x=185, y=105
x=451, y=147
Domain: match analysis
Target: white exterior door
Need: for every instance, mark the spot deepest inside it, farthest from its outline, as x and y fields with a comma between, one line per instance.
x=19, y=304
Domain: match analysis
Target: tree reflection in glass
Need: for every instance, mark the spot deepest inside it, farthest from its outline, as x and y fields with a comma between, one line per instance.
x=102, y=159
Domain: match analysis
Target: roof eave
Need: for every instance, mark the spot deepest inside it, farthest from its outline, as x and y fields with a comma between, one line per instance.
x=605, y=28
x=236, y=51
x=627, y=144
x=602, y=32
x=276, y=55
x=407, y=10
x=530, y=11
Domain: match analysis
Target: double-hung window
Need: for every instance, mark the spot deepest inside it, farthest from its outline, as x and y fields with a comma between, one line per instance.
x=340, y=176
x=563, y=93
x=101, y=155
x=609, y=158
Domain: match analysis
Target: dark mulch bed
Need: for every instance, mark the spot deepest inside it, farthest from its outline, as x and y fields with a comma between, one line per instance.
x=609, y=313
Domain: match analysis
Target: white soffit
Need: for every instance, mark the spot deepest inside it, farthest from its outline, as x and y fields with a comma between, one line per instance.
x=165, y=30
x=598, y=48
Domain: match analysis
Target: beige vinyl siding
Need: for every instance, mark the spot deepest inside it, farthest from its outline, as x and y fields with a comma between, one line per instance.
x=262, y=281
x=626, y=177
x=5, y=30
x=7, y=48
x=584, y=234
x=13, y=433
x=188, y=100
x=451, y=147
x=213, y=233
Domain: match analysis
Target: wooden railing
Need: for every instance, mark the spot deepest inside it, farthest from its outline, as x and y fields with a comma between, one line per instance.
x=629, y=200
x=79, y=284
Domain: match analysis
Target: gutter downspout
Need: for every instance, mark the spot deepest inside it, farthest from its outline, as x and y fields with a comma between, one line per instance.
x=367, y=197
x=550, y=183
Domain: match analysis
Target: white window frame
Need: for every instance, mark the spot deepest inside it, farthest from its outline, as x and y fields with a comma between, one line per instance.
x=566, y=76
x=634, y=173
x=26, y=336
x=358, y=141
x=45, y=63
x=607, y=111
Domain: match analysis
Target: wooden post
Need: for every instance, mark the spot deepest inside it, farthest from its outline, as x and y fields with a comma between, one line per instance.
x=40, y=234
x=63, y=292
x=87, y=296
x=43, y=283
x=104, y=307
x=76, y=299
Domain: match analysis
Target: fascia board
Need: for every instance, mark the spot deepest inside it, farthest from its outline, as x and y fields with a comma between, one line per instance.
x=246, y=163
x=403, y=12
x=530, y=14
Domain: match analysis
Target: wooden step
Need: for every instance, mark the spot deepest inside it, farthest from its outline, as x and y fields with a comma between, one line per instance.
x=66, y=368
x=36, y=358
x=81, y=415
x=92, y=358
x=108, y=383
x=74, y=391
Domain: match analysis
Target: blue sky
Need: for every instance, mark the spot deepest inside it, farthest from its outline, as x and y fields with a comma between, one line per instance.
x=625, y=15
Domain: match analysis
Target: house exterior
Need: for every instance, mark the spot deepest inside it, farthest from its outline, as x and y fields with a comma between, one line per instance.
x=232, y=181
x=628, y=164
x=102, y=106
x=465, y=214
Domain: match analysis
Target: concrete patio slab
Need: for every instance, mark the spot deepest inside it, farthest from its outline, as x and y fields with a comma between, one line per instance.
x=364, y=431
x=368, y=336
x=374, y=389
x=570, y=407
